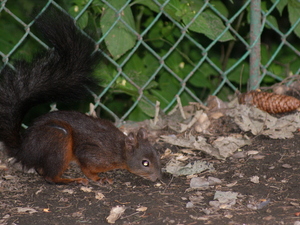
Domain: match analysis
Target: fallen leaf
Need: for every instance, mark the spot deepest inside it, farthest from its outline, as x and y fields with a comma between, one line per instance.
x=225, y=199
x=197, y=182
x=221, y=148
x=47, y=210
x=254, y=179
x=259, y=122
x=228, y=145
x=286, y=166
x=86, y=189
x=259, y=156
x=142, y=209
x=252, y=152
x=3, y=167
x=231, y=184
x=9, y=177
x=99, y=196
x=69, y=191
x=26, y=210
x=115, y=213
x=178, y=168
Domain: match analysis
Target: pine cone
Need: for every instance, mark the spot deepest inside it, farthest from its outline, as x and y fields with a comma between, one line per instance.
x=270, y=102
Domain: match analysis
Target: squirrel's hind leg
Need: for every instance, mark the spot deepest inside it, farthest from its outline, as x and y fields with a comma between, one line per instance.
x=48, y=147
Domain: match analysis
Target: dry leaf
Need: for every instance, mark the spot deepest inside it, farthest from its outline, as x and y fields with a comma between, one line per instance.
x=3, y=167
x=69, y=191
x=115, y=213
x=252, y=152
x=286, y=166
x=214, y=103
x=26, y=210
x=46, y=210
x=221, y=148
x=259, y=122
x=86, y=189
x=231, y=184
x=142, y=209
x=258, y=157
x=228, y=145
x=216, y=115
x=99, y=196
x=254, y=179
x=157, y=185
x=225, y=199
x=178, y=168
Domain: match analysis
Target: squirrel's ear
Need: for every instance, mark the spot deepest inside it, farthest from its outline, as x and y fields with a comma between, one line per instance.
x=142, y=134
x=130, y=142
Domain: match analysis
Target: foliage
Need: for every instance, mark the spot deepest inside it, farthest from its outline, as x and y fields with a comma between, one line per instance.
x=183, y=50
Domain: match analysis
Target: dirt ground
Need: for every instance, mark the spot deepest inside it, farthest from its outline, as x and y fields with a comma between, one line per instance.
x=267, y=184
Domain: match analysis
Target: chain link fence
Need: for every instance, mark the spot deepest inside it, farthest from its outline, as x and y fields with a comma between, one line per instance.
x=165, y=50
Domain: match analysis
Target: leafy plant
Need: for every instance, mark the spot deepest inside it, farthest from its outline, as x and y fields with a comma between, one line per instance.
x=164, y=48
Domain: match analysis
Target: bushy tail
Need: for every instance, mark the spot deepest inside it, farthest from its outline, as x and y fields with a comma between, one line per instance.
x=59, y=74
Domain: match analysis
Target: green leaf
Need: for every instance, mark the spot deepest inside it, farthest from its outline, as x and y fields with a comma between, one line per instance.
x=168, y=88
x=208, y=24
x=83, y=20
x=265, y=54
x=150, y=63
x=146, y=106
x=201, y=77
x=123, y=86
x=268, y=80
x=120, y=38
x=220, y=7
x=138, y=71
x=10, y=37
x=173, y=61
x=162, y=97
x=172, y=8
x=155, y=34
x=186, y=98
x=294, y=12
x=149, y=3
x=273, y=21
x=277, y=69
x=281, y=4
x=105, y=73
x=137, y=115
x=240, y=74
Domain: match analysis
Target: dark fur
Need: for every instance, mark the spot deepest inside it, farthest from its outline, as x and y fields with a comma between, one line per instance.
x=56, y=75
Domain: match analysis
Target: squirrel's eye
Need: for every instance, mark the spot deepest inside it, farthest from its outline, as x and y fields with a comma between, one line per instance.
x=145, y=163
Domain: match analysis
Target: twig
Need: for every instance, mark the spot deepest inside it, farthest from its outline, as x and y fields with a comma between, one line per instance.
x=157, y=105
x=180, y=107
x=168, y=185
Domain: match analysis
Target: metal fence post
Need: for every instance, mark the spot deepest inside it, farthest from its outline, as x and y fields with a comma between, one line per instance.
x=255, y=32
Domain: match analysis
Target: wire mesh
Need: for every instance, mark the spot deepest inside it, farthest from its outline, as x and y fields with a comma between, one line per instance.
x=156, y=50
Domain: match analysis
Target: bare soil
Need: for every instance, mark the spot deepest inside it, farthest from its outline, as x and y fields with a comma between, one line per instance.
x=27, y=199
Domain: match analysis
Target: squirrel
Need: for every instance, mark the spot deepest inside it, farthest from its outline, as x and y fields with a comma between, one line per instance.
x=61, y=74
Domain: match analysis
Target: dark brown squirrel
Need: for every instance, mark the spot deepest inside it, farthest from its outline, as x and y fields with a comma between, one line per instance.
x=57, y=138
